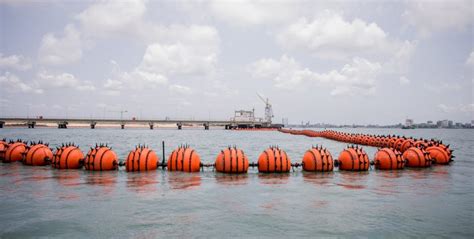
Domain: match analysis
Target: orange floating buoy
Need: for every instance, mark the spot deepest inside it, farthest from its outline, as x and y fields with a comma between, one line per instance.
x=67, y=157
x=232, y=160
x=3, y=149
x=388, y=159
x=318, y=159
x=417, y=157
x=274, y=160
x=14, y=152
x=353, y=159
x=408, y=143
x=141, y=159
x=101, y=158
x=439, y=155
x=37, y=155
x=184, y=159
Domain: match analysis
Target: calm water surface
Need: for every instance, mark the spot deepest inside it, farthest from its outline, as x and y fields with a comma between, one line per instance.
x=43, y=202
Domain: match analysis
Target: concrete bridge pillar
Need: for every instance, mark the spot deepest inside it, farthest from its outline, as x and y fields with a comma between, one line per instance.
x=93, y=123
x=31, y=124
x=62, y=125
x=180, y=125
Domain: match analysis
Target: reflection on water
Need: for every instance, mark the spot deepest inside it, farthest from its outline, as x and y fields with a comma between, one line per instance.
x=273, y=178
x=142, y=182
x=183, y=180
x=67, y=178
x=231, y=179
x=353, y=180
x=319, y=178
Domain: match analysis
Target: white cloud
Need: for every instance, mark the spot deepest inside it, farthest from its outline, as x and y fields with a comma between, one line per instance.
x=252, y=12
x=330, y=35
x=180, y=89
x=432, y=16
x=441, y=87
x=61, y=50
x=464, y=108
x=179, y=58
x=16, y=62
x=470, y=59
x=357, y=77
x=404, y=81
x=11, y=82
x=63, y=80
x=107, y=16
x=399, y=61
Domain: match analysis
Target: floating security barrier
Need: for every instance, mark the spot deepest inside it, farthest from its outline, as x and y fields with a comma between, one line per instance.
x=68, y=156
x=318, y=159
x=231, y=160
x=101, y=158
x=184, y=159
x=353, y=158
x=141, y=159
x=388, y=159
x=37, y=154
x=416, y=153
x=274, y=160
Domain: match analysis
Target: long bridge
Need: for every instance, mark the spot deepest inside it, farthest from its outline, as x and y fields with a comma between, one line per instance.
x=63, y=123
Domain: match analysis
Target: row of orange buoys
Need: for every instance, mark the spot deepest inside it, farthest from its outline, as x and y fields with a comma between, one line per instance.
x=438, y=152
x=229, y=160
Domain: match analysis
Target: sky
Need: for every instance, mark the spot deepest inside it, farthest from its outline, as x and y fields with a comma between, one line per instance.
x=341, y=62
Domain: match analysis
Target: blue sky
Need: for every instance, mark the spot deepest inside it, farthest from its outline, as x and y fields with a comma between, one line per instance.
x=319, y=61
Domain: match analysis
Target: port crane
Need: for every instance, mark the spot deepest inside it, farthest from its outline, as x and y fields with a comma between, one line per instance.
x=268, y=109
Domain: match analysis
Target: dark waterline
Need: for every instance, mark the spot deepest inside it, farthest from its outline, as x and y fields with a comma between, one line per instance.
x=42, y=202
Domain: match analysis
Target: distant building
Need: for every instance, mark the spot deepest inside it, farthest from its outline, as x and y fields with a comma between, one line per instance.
x=444, y=124
x=450, y=123
x=429, y=122
x=439, y=123
x=408, y=122
x=472, y=123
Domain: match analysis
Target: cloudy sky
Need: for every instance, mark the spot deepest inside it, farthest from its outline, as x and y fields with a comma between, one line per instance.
x=334, y=62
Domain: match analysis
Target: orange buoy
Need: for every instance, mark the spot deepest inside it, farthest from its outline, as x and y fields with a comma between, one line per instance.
x=14, y=152
x=274, y=160
x=232, y=160
x=388, y=159
x=101, y=158
x=3, y=149
x=37, y=155
x=353, y=159
x=417, y=157
x=184, y=159
x=141, y=159
x=318, y=159
x=439, y=155
x=408, y=143
x=67, y=157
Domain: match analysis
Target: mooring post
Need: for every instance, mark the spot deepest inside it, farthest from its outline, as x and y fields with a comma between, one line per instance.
x=180, y=125
x=1, y=124
x=122, y=125
x=163, y=158
x=206, y=126
x=151, y=125
x=93, y=123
